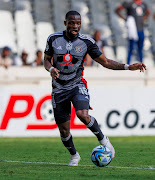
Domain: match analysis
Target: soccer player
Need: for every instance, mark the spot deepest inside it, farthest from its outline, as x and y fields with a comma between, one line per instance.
x=139, y=11
x=64, y=58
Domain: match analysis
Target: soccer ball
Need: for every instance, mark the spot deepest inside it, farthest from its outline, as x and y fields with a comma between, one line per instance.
x=101, y=156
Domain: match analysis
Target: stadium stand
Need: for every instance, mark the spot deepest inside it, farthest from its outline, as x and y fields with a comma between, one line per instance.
x=82, y=7
x=42, y=18
x=43, y=30
x=42, y=11
x=29, y=22
x=59, y=10
x=7, y=35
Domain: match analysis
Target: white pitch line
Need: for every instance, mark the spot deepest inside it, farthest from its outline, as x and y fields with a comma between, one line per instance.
x=64, y=164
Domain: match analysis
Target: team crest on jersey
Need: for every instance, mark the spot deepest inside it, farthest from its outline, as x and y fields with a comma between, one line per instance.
x=69, y=46
x=67, y=58
x=77, y=49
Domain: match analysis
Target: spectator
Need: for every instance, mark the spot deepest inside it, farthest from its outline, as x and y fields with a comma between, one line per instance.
x=21, y=60
x=5, y=59
x=39, y=60
x=24, y=58
x=137, y=12
x=100, y=43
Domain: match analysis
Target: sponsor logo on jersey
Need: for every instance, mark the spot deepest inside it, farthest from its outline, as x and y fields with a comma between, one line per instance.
x=67, y=58
x=77, y=49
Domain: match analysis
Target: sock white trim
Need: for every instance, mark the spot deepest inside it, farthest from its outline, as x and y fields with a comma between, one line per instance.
x=67, y=138
x=91, y=122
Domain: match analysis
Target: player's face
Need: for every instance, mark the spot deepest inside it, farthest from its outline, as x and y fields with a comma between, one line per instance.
x=73, y=25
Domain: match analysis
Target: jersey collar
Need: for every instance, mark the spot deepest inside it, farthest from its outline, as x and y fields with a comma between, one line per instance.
x=64, y=34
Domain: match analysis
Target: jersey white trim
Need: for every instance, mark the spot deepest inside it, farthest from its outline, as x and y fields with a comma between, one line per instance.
x=55, y=34
x=82, y=36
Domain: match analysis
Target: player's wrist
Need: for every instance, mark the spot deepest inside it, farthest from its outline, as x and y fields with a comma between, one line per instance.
x=126, y=67
x=50, y=69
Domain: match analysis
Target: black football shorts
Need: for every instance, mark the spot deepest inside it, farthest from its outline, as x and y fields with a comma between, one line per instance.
x=61, y=102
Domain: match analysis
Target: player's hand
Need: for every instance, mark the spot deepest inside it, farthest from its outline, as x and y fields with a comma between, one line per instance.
x=55, y=73
x=137, y=66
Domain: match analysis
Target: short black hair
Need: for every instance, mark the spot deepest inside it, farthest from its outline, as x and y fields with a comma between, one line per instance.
x=70, y=13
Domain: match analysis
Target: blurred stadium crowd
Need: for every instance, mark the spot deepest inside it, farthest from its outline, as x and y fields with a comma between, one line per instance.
x=26, y=24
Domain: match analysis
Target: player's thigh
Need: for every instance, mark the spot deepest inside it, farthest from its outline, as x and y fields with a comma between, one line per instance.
x=81, y=99
x=62, y=112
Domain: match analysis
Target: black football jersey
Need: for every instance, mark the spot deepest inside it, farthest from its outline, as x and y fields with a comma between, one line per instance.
x=68, y=57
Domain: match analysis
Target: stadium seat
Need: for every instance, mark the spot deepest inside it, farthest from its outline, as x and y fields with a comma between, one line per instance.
x=7, y=35
x=43, y=30
x=25, y=32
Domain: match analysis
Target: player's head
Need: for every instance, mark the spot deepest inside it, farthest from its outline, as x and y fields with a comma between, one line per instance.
x=6, y=51
x=72, y=23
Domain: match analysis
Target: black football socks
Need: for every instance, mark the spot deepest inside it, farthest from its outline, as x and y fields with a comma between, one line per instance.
x=68, y=143
x=94, y=127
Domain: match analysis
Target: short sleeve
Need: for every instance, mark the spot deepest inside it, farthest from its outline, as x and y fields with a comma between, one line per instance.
x=145, y=7
x=93, y=50
x=49, y=49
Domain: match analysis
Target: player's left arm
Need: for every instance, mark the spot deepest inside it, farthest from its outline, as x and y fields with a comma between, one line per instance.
x=111, y=64
x=147, y=14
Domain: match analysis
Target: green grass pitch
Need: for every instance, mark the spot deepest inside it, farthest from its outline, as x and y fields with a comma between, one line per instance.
x=46, y=158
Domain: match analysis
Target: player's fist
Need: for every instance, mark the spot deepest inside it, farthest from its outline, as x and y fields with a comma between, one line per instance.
x=54, y=73
x=137, y=66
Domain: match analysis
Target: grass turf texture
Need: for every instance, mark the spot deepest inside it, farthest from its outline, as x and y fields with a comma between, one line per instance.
x=130, y=152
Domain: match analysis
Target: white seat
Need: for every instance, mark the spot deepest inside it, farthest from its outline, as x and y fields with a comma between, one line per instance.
x=7, y=35
x=43, y=30
x=25, y=32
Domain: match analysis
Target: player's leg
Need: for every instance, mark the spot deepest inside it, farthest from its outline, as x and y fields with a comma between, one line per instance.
x=67, y=140
x=131, y=44
x=62, y=117
x=92, y=124
x=81, y=103
x=140, y=44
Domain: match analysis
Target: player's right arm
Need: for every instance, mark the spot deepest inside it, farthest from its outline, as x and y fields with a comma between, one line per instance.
x=48, y=66
x=119, y=10
x=48, y=54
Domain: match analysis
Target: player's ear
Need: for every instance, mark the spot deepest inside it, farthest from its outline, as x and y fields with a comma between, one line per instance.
x=65, y=23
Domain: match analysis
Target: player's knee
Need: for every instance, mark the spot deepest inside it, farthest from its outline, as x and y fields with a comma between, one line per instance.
x=83, y=116
x=64, y=132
